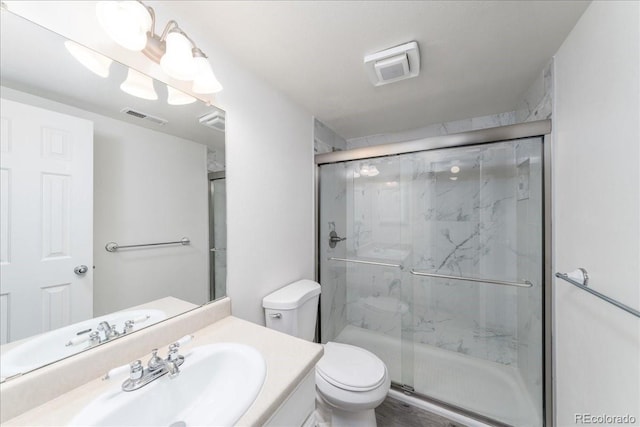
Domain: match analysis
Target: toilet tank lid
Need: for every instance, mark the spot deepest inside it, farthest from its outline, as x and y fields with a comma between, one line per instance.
x=292, y=296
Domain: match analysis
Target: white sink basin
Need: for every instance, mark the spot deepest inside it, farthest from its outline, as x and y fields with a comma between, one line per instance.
x=50, y=346
x=216, y=385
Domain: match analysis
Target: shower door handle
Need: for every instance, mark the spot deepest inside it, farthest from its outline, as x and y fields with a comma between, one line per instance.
x=335, y=239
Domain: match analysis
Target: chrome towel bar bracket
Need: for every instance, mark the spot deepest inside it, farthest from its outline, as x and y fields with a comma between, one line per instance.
x=113, y=246
x=584, y=287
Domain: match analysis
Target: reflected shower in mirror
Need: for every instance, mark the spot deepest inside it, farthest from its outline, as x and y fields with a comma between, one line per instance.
x=86, y=163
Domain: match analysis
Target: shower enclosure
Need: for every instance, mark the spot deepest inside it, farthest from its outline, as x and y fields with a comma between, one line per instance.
x=431, y=256
x=217, y=235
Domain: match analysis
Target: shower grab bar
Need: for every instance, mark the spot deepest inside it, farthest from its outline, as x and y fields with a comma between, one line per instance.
x=359, y=261
x=584, y=287
x=113, y=246
x=525, y=284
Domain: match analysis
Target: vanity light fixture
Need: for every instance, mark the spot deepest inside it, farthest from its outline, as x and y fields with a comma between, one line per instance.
x=131, y=24
x=94, y=61
x=177, y=97
x=140, y=85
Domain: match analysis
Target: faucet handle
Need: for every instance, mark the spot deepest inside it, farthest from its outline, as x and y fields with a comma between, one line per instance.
x=135, y=370
x=182, y=341
x=94, y=338
x=128, y=326
x=175, y=347
x=173, y=354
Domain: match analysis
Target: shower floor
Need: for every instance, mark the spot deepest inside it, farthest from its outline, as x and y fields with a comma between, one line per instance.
x=480, y=386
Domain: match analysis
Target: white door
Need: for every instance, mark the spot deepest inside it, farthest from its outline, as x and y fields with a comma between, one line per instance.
x=46, y=220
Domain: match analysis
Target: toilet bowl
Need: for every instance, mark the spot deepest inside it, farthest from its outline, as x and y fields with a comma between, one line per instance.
x=350, y=381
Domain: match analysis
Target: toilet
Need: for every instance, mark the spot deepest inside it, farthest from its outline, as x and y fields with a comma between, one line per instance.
x=350, y=381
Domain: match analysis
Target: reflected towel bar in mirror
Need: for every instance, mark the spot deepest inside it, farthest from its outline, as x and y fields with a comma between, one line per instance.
x=525, y=284
x=113, y=246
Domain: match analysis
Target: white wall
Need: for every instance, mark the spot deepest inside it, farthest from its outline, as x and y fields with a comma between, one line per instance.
x=270, y=181
x=269, y=157
x=148, y=187
x=597, y=212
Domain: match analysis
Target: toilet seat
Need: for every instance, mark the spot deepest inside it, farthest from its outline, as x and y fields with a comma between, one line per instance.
x=351, y=368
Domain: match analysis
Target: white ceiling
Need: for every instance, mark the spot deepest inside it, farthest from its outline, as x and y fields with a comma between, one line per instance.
x=69, y=82
x=477, y=57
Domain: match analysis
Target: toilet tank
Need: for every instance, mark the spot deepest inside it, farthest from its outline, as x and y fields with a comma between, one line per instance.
x=293, y=309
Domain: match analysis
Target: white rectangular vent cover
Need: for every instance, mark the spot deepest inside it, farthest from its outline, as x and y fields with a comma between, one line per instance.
x=394, y=64
x=214, y=120
x=145, y=116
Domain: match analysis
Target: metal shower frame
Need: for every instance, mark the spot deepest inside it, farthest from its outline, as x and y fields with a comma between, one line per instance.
x=541, y=128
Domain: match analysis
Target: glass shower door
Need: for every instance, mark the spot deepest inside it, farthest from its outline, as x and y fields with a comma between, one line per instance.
x=435, y=265
x=365, y=232
x=477, y=275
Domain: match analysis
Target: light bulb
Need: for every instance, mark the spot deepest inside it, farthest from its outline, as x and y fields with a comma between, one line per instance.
x=139, y=85
x=373, y=171
x=205, y=81
x=94, y=61
x=176, y=97
x=126, y=22
x=178, y=61
x=455, y=169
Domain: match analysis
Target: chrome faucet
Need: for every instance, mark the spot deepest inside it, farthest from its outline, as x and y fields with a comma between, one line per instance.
x=108, y=330
x=156, y=368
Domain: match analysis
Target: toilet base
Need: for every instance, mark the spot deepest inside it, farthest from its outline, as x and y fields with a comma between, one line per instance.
x=339, y=418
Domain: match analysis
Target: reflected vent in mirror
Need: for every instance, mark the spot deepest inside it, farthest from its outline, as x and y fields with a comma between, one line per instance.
x=141, y=115
x=215, y=120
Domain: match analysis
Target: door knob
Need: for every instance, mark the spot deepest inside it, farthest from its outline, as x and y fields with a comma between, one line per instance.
x=80, y=270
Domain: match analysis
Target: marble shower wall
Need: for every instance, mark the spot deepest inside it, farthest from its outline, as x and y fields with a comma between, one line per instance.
x=333, y=278
x=419, y=214
x=326, y=140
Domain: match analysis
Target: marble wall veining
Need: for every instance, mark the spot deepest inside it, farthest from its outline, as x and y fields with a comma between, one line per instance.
x=483, y=221
x=472, y=211
x=537, y=101
x=325, y=140
x=215, y=160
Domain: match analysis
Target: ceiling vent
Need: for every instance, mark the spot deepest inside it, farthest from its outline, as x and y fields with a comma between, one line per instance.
x=394, y=64
x=214, y=119
x=140, y=115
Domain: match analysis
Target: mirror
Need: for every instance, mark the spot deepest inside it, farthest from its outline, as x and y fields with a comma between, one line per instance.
x=105, y=202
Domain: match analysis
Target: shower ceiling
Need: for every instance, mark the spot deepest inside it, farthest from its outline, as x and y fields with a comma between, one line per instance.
x=477, y=58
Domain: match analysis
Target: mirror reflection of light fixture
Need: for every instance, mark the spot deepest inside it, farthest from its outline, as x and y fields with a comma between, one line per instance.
x=97, y=63
x=369, y=170
x=140, y=85
x=177, y=97
x=174, y=50
x=455, y=169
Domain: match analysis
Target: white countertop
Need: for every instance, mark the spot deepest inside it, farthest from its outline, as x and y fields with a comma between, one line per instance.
x=288, y=360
